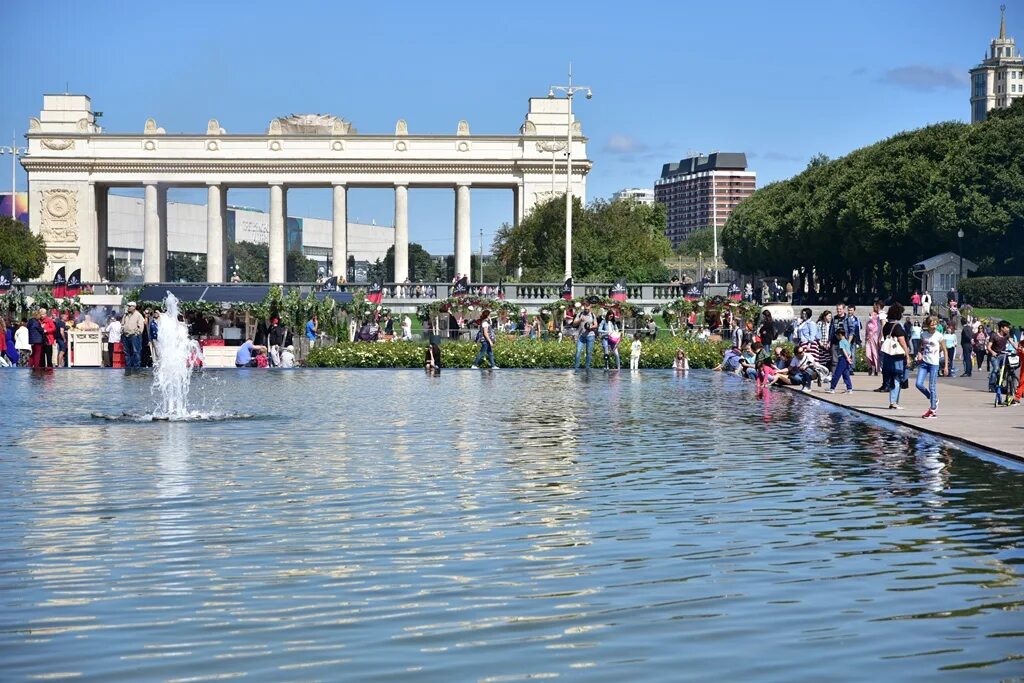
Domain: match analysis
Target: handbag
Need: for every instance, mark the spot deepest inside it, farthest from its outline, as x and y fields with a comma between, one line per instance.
x=890, y=345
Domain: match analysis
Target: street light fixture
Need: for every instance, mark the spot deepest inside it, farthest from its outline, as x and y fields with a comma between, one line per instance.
x=15, y=152
x=569, y=90
x=960, y=248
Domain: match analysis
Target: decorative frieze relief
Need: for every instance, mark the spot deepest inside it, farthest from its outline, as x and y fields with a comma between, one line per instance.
x=57, y=144
x=59, y=216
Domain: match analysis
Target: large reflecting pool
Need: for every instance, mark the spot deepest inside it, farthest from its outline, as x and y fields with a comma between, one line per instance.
x=499, y=526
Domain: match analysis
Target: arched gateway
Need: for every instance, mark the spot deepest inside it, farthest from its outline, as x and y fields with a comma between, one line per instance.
x=72, y=163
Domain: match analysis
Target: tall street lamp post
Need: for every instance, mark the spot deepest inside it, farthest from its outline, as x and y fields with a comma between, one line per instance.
x=15, y=152
x=960, y=248
x=569, y=91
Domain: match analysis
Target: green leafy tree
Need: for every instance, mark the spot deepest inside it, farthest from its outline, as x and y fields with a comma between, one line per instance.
x=376, y=272
x=422, y=267
x=299, y=268
x=698, y=242
x=20, y=250
x=855, y=226
x=250, y=260
x=186, y=268
x=610, y=240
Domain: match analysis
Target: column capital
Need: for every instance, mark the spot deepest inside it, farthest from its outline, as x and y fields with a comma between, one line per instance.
x=339, y=183
x=465, y=184
x=213, y=183
x=401, y=184
x=275, y=183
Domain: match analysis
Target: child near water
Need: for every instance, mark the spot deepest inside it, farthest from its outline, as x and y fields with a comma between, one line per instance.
x=634, y=352
x=681, y=362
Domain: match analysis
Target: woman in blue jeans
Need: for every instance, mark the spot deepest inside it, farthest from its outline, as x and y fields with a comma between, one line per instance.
x=894, y=365
x=486, y=339
x=932, y=348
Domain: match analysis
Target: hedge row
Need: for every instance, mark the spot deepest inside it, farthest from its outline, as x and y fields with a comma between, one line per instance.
x=522, y=353
x=994, y=292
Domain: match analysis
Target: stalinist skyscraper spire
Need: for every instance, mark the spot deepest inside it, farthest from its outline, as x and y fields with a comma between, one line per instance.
x=999, y=79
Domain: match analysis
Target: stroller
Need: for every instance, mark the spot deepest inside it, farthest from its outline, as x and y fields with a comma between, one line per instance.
x=1007, y=380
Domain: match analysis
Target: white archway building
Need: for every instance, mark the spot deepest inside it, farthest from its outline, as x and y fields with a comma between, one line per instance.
x=72, y=163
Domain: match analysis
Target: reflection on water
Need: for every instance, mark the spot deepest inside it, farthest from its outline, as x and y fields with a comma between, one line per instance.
x=495, y=526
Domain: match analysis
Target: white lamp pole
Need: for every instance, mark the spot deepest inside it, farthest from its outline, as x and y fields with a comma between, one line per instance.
x=14, y=151
x=569, y=91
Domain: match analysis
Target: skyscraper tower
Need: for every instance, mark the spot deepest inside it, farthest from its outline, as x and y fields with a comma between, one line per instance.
x=999, y=79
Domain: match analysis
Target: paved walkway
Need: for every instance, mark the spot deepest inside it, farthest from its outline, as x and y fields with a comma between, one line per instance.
x=965, y=411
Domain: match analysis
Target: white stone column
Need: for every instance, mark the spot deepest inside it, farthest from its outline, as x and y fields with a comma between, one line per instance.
x=401, y=232
x=517, y=218
x=277, y=234
x=517, y=205
x=100, y=208
x=224, y=233
x=161, y=210
x=214, y=234
x=151, y=236
x=463, y=246
x=339, y=231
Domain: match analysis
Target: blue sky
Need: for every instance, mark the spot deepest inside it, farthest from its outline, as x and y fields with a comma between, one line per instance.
x=780, y=81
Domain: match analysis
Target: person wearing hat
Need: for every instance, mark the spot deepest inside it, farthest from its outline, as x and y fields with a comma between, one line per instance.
x=288, y=357
x=132, y=327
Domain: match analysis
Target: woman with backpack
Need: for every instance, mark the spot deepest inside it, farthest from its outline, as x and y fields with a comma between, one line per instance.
x=486, y=339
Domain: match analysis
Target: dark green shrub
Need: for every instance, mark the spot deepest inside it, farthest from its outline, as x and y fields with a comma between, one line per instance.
x=993, y=292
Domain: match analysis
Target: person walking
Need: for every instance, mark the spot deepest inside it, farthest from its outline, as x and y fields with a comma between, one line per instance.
x=872, y=340
x=36, y=338
x=486, y=339
x=113, y=331
x=949, y=343
x=312, y=328
x=635, y=350
x=610, y=336
x=586, y=328
x=997, y=343
x=22, y=345
x=926, y=303
x=895, y=355
x=932, y=349
x=854, y=334
x=49, y=337
x=132, y=326
x=843, y=365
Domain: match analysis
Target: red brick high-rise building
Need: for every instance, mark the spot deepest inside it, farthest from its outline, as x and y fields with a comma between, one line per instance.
x=701, y=191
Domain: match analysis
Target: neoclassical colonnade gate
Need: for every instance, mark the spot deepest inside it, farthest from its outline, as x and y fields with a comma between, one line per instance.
x=72, y=163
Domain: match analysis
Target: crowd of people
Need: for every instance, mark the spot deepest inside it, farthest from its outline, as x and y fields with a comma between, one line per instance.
x=895, y=346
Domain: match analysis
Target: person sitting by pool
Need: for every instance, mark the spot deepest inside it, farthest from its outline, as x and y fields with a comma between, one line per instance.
x=288, y=356
x=766, y=373
x=748, y=362
x=432, y=357
x=681, y=362
x=244, y=355
x=730, y=361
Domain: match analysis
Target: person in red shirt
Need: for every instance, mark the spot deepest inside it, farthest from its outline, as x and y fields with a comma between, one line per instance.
x=49, y=336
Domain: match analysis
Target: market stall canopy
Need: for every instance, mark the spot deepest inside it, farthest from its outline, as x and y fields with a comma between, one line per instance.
x=220, y=294
x=339, y=297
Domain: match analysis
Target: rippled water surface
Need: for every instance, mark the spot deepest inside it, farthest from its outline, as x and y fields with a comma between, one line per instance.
x=382, y=525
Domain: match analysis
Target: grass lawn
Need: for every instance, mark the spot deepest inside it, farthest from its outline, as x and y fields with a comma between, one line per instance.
x=1014, y=315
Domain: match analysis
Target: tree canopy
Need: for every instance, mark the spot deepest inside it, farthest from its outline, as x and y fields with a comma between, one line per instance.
x=861, y=222
x=252, y=261
x=610, y=240
x=20, y=250
x=421, y=265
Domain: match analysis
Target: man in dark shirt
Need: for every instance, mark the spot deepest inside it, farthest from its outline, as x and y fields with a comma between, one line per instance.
x=997, y=352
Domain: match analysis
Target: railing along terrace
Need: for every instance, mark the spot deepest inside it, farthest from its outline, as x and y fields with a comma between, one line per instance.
x=526, y=292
